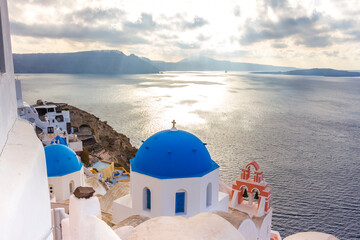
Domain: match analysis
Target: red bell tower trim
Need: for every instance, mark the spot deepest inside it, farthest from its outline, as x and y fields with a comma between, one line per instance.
x=257, y=184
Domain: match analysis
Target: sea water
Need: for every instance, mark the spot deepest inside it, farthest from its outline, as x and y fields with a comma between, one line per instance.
x=304, y=131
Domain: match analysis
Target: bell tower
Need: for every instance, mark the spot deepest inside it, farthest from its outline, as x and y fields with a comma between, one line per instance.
x=251, y=195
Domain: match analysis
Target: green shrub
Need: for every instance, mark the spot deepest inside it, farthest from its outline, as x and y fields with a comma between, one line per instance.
x=85, y=157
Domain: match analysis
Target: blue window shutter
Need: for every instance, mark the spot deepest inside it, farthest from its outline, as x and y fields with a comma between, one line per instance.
x=180, y=202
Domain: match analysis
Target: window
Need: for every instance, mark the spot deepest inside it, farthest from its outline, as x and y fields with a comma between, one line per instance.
x=2, y=49
x=147, y=199
x=59, y=118
x=208, y=195
x=71, y=186
x=50, y=130
x=180, y=203
x=41, y=111
x=51, y=110
x=68, y=127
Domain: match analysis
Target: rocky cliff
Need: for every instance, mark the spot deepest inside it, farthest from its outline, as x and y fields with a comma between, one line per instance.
x=100, y=138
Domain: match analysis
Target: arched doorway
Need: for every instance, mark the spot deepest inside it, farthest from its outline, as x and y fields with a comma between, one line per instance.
x=208, y=195
x=71, y=186
x=146, y=199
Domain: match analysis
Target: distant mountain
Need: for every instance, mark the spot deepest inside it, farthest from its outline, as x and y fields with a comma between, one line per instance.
x=91, y=62
x=325, y=72
x=209, y=64
x=116, y=62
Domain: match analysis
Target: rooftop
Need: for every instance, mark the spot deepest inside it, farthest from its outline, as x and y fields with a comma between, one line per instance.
x=173, y=154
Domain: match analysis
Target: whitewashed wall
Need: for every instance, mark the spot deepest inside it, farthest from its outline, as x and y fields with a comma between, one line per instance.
x=265, y=230
x=24, y=202
x=257, y=232
x=85, y=222
x=8, y=106
x=61, y=187
x=163, y=193
x=248, y=230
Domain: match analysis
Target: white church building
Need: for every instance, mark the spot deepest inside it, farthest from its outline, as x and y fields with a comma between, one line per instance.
x=64, y=170
x=172, y=174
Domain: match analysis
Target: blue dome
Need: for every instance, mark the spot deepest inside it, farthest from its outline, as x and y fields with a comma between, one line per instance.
x=61, y=160
x=173, y=154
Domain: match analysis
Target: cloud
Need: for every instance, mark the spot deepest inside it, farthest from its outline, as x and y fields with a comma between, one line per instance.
x=331, y=54
x=279, y=45
x=258, y=31
x=195, y=23
x=46, y=2
x=93, y=15
x=203, y=38
x=277, y=4
x=145, y=23
x=188, y=45
x=314, y=41
x=303, y=29
x=75, y=32
x=237, y=11
x=294, y=23
x=91, y=24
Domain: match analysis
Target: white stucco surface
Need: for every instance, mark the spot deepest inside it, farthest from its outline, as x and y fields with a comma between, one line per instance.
x=90, y=227
x=124, y=231
x=163, y=193
x=207, y=226
x=8, y=105
x=85, y=222
x=61, y=185
x=265, y=229
x=311, y=236
x=248, y=230
x=76, y=146
x=24, y=203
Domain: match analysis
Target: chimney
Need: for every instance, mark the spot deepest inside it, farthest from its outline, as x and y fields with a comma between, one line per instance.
x=82, y=203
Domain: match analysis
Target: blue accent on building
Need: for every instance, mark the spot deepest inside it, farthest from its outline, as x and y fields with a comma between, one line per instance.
x=173, y=154
x=59, y=140
x=180, y=202
x=61, y=160
x=148, y=199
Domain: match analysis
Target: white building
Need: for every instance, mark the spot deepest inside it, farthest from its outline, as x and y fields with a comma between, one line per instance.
x=64, y=170
x=70, y=140
x=24, y=203
x=45, y=117
x=172, y=174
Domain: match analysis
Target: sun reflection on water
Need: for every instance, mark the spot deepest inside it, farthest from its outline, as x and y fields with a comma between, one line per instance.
x=182, y=96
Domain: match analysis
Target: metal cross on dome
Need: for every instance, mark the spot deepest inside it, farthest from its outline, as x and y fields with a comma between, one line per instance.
x=173, y=122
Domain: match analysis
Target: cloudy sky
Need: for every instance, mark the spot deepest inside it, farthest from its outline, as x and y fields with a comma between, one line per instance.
x=300, y=33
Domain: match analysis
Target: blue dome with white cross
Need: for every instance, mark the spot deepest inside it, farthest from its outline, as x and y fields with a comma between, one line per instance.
x=173, y=154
